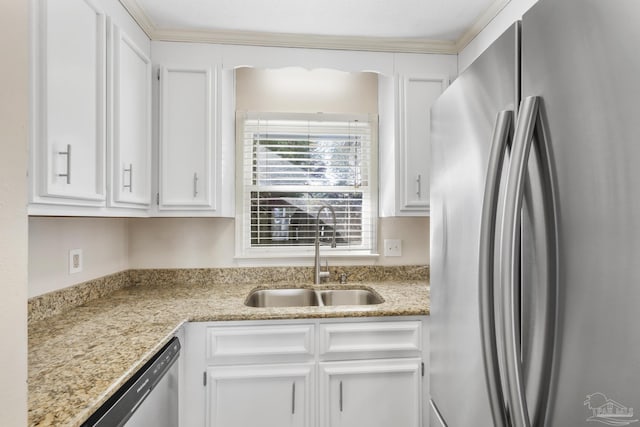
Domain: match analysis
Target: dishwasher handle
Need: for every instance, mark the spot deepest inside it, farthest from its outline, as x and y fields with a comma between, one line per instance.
x=121, y=406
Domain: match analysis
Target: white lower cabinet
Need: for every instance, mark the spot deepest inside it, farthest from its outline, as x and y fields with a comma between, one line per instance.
x=371, y=393
x=260, y=395
x=305, y=373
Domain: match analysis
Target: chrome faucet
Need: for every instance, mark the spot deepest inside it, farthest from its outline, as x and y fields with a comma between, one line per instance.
x=318, y=273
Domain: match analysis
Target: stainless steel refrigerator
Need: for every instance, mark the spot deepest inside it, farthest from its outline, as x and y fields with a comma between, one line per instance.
x=535, y=225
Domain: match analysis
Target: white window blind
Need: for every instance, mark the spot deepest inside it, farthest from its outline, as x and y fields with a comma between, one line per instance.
x=294, y=164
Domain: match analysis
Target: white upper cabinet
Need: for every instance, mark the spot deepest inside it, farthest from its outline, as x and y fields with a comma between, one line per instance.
x=187, y=151
x=90, y=109
x=68, y=140
x=195, y=150
x=108, y=139
x=404, y=104
x=416, y=95
x=130, y=143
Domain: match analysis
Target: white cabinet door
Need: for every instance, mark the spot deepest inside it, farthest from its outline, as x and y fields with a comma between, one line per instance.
x=187, y=155
x=260, y=395
x=69, y=108
x=416, y=94
x=371, y=393
x=130, y=124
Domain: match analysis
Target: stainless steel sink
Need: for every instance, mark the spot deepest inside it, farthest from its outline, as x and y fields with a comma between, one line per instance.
x=294, y=297
x=303, y=297
x=349, y=297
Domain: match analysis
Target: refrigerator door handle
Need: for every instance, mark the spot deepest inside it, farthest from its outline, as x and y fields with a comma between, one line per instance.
x=502, y=133
x=529, y=123
x=509, y=251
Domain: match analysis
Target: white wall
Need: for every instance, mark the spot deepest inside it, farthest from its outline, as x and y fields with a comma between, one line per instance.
x=104, y=243
x=210, y=243
x=14, y=119
x=414, y=233
x=181, y=242
x=507, y=16
x=306, y=91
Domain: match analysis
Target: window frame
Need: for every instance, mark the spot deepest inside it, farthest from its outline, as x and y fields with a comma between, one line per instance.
x=243, y=249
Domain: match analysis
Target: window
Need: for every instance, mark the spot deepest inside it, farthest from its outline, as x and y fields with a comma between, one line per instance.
x=292, y=165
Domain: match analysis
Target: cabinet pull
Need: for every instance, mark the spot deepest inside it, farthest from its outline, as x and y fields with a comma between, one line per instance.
x=130, y=170
x=340, y=396
x=68, y=154
x=419, y=186
x=195, y=184
x=293, y=398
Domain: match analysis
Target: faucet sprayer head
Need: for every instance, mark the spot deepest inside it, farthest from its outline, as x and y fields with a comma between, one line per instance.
x=333, y=217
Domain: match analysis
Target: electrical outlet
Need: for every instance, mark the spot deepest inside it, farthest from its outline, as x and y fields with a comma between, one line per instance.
x=75, y=261
x=392, y=247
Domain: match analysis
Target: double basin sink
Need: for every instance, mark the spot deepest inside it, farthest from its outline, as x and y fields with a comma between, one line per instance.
x=305, y=297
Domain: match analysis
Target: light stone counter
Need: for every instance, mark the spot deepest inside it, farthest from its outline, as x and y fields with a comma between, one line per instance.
x=79, y=358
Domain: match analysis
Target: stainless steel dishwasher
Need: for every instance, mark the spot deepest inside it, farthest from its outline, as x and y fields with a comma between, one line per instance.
x=149, y=398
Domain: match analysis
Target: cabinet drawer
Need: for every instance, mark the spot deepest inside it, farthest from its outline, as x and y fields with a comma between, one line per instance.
x=260, y=343
x=370, y=339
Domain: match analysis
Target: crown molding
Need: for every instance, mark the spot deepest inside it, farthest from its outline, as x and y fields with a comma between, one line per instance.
x=483, y=20
x=140, y=16
x=252, y=38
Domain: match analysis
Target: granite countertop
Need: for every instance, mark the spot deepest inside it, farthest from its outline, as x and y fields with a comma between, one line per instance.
x=79, y=358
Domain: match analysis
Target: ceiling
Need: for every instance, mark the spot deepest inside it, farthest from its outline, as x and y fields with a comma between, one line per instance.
x=423, y=26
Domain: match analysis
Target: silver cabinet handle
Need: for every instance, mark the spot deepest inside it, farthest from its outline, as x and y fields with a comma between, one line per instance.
x=68, y=154
x=130, y=171
x=195, y=184
x=340, y=396
x=293, y=397
x=529, y=124
x=419, y=186
x=502, y=132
